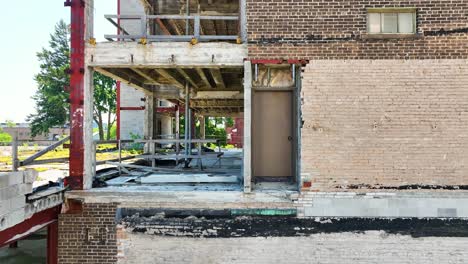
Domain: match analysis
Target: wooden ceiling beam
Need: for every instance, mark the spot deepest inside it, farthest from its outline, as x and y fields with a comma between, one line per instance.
x=163, y=27
x=166, y=74
x=203, y=77
x=187, y=78
x=145, y=75
x=218, y=78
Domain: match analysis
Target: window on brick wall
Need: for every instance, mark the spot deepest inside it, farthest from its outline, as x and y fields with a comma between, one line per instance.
x=391, y=21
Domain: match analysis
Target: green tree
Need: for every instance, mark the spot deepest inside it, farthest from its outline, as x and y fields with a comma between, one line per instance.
x=52, y=100
x=105, y=99
x=10, y=123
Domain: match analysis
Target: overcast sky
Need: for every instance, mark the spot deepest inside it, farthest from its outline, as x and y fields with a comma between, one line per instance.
x=26, y=28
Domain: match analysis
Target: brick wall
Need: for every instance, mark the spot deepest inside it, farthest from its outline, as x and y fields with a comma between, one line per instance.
x=336, y=29
x=385, y=123
x=366, y=247
x=88, y=236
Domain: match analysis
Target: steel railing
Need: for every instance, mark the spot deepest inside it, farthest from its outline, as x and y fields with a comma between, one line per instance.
x=144, y=28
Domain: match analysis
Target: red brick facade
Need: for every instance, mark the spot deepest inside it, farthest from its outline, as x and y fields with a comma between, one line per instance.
x=88, y=236
x=337, y=29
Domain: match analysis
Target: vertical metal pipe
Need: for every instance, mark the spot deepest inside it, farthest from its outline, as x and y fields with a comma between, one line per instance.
x=177, y=133
x=187, y=117
x=293, y=70
x=189, y=128
x=14, y=152
x=187, y=22
x=120, y=156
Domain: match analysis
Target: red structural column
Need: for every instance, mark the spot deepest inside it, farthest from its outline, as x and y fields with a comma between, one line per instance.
x=77, y=69
x=52, y=243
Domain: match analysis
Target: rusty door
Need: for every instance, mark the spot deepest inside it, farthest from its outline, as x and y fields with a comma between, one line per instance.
x=272, y=133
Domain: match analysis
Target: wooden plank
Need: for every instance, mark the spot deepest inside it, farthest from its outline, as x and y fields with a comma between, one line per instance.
x=187, y=178
x=122, y=159
x=139, y=167
x=43, y=152
x=48, y=161
x=203, y=77
x=182, y=156
x=218, y=78
x=121, y=180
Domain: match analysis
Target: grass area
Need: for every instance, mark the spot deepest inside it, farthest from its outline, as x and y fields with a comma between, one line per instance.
x=105, y=152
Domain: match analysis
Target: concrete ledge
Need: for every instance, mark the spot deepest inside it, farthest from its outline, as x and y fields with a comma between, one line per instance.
x=141, y=198
x=391, y=205
x=163, y=54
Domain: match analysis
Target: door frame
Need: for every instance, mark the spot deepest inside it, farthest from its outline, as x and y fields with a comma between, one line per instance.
x=296, y=122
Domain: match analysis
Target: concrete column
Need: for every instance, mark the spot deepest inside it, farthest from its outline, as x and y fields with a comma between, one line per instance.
x=89, y=151
x=166, y=125
x=243, y=20
x=202, y=127
x=88, y=105
x=247, y=166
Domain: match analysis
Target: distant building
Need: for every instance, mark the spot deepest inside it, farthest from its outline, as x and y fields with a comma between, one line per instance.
x=24, y=132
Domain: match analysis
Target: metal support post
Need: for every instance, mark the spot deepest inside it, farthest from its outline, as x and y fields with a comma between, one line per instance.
x=187, y=125
x=14, y=152
x=120, y=156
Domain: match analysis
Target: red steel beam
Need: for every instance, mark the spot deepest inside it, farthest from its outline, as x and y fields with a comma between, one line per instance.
x=132, y=108
x=29, y=226
x=77, y=70
x=276, y=61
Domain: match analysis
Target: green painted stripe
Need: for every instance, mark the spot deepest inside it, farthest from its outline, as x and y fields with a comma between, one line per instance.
x=265, y=212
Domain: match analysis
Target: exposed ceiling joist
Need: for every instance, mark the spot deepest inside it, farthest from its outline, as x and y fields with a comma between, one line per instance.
x=145, y=75
x=124, y=78
x=172, y=79
x=175, y=27
x=187, y=78
x=203, y=77
x=218, y=78
x=163, y=27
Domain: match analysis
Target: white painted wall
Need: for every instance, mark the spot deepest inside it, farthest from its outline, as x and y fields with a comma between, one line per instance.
x=131, y=122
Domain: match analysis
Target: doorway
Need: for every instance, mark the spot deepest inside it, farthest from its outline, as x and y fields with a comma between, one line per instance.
x=273, y=134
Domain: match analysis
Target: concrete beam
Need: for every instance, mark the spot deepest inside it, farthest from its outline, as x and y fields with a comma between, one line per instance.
x=165, y=55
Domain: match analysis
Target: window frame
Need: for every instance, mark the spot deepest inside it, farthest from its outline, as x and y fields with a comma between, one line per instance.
x=397, y=11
